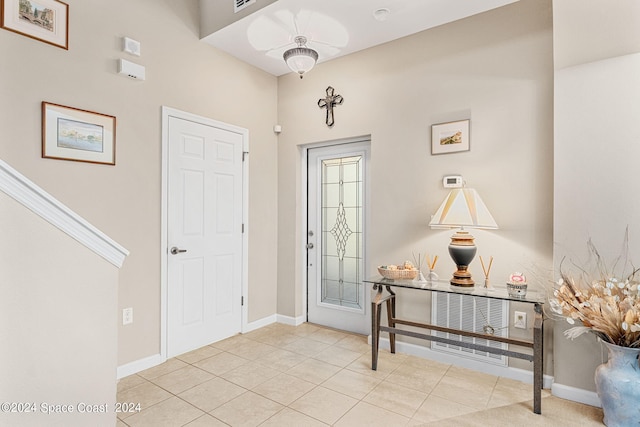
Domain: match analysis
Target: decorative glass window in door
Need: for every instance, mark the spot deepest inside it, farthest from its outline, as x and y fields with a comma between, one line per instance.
x=342, y=240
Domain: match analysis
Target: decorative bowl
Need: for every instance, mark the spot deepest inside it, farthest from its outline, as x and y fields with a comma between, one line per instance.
x=397, y=274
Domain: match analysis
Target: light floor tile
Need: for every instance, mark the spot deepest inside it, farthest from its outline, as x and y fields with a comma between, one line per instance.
x=290, y=418
x=248, y=409
x=351, y=383
x=182, y=379
x=367, y=415
x=306, y=347
x=284, y=388
x=199, y=354
x=252, y=350
x=282, y=360
x=362, y=365
x=315, y=371
x=396, y=398
x=221, y=363
x=171, y=412
x=211, y=394
x=279, y=339
x=164, y=368
x=337, y=356
x=323, y=404
x=327, y=336
x=306, y=329
x=357, y=343
x=287, y=370
x=468, y=375
x=436, y=408
x=467, y=393
x=130, y=381
x=146, y=394
x=250, y=374
x=206, y=421
x=418, y=379
x=231, y=342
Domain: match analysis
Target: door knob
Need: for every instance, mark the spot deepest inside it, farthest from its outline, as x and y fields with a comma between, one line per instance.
x=176, y=251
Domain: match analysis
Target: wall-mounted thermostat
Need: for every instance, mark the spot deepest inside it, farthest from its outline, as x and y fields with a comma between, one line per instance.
x=452, y=181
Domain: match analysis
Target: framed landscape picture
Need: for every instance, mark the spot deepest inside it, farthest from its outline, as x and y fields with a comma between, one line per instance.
x=80, y=135
x=44, y=20
x=450, y=137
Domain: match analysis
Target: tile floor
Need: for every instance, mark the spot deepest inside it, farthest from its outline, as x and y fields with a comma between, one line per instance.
x=312, y=376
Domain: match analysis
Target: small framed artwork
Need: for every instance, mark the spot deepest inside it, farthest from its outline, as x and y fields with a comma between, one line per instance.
x=44, y=20
x=80, y=135
x=450, y=137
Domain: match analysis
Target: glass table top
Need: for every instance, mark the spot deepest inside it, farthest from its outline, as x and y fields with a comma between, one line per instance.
x=533, y=296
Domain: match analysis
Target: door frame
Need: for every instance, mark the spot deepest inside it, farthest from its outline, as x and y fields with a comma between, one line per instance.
x=168, y=112
x=304, y=218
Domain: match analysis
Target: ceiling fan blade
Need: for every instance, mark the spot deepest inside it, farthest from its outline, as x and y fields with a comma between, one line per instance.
x=264, y=33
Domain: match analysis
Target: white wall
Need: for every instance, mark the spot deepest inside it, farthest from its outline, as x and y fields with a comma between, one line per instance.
x=596, y=150
x=124, y=200
x=494, y=69
x=58, y=340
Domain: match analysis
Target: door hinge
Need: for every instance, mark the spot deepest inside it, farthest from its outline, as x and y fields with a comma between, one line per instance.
x=242, y=300
x=243, y=228
x=244, y=154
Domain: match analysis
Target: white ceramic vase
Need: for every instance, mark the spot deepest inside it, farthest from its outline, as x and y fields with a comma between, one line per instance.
x=618, y=386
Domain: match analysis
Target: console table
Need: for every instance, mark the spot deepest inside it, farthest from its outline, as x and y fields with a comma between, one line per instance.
x=378, y=298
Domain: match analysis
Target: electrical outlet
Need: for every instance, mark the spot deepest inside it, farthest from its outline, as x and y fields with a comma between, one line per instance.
x=127, y=316
x=520, y=320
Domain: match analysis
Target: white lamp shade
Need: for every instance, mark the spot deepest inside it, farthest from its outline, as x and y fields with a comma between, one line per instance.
x=463, y=207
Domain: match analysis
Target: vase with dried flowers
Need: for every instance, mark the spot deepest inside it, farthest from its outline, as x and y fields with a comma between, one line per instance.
x=606, y=302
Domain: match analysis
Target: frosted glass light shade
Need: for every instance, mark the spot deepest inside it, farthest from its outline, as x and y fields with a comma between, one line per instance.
x=300, y=59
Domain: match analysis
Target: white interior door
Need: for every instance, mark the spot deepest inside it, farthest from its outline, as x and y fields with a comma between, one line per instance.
x=336, y=262
x=204, y=236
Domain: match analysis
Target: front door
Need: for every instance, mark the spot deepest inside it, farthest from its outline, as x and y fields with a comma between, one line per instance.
x=204, y=236
x=337, y=192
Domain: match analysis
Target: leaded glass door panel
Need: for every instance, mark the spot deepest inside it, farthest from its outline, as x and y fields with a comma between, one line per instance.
x=336, y=236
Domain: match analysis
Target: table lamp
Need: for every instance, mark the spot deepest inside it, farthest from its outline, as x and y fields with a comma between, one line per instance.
x=462, y=208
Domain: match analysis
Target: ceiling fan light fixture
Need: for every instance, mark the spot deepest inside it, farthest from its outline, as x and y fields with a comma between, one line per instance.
x=300, y=59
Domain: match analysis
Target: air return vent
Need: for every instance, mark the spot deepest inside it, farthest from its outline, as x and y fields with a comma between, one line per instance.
x=238, y=5
x=471, y=314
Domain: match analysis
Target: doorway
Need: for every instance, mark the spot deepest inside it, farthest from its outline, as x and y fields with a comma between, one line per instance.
x=337, y=197
x=203, y=240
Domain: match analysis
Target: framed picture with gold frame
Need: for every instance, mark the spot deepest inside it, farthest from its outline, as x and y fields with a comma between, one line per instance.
x=451, y=137
x=44, y=20
x=73, y=134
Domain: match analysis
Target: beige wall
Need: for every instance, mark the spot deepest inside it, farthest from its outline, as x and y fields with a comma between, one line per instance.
x=59, y=339
x=123, y=201
x=597, y=88
x=494, y=69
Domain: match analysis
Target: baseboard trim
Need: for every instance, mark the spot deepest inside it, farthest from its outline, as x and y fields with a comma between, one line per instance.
x=260, y=323
x=288, y=320
x=139, y=365
x=501, y=371
x=576, y=394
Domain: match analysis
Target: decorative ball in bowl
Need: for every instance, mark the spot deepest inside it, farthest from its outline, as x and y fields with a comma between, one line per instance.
x=517, y=285
x=396, y=272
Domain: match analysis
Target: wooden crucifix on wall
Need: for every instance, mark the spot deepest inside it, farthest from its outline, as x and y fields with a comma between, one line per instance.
x=329, y=102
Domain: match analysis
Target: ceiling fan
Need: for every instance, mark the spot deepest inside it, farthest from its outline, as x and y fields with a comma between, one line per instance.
x=287, y=31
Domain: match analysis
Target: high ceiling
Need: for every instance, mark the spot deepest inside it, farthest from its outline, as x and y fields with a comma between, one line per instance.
x=335, y=28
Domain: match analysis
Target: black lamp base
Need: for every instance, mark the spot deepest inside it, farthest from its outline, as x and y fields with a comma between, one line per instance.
x=462, y=250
